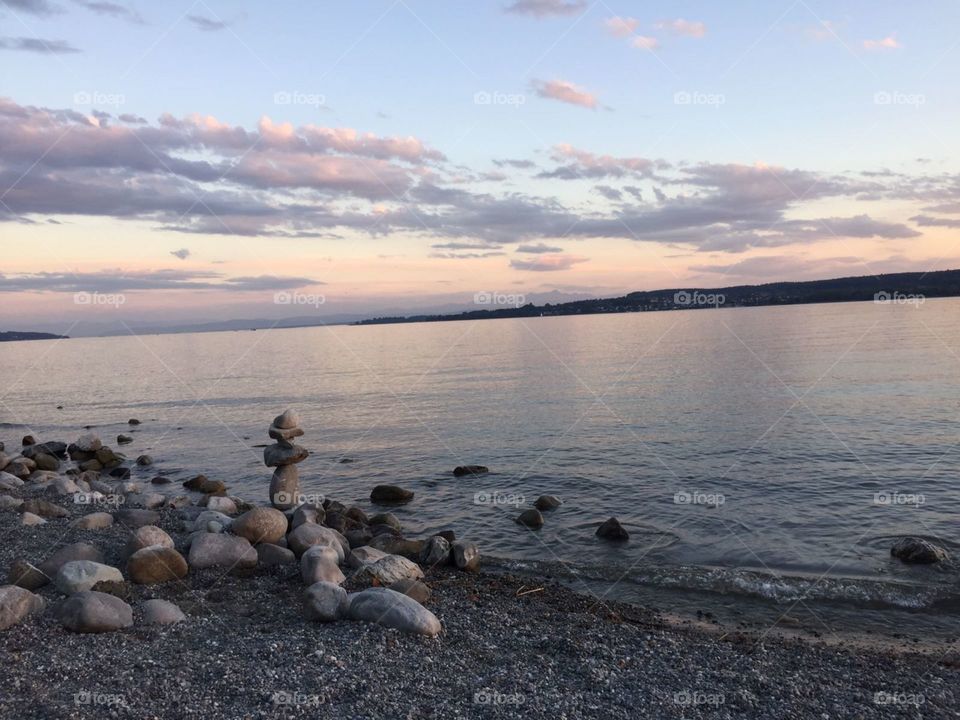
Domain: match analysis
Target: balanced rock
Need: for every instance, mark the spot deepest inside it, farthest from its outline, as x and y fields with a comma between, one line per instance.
x=262, y=524
x=161, y=612
x=288, y=420
x=325, y=602
x=95, y=612
x=16, y=603
x=218, y=550
x=156, y=564
x=284, y=434
x=390, y=495
x=612, y=530
x=277, y=455
x=285, y=487
x=917, y=551
x=80, y=575
x=393, y=610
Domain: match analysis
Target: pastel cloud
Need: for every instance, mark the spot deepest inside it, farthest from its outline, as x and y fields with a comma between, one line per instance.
x=579, y=164
x=645, y=42
x=565, y=92
x=888, y=43
x=621, y=26
x=547, y=8
x=38, y=45
x=548, y=263
x=683, y=27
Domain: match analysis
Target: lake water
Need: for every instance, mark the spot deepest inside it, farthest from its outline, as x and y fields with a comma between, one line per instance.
x=781, y=424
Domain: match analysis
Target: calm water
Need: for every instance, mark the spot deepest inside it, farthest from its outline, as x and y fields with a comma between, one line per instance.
x=796, y=416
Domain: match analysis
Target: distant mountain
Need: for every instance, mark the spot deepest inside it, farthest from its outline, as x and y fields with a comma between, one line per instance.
x=14, y=336
x=895, y=288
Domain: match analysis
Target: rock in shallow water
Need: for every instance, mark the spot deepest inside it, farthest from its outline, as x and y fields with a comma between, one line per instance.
x=393, y=610
x=612, y=530
x=161, y=612
x=325, y=602
x=16, y=603
x=470, y=470
x=547, y=502
x=94, y=612
x=530, y=518
x=390, y=495
x=918, y=551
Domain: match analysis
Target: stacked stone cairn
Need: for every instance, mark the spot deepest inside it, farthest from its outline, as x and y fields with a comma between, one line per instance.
x=284, y=456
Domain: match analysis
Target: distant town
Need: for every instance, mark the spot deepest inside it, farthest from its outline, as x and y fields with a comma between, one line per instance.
x=895, y=288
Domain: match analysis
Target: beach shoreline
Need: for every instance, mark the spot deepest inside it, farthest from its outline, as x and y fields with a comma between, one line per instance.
x=510, y=645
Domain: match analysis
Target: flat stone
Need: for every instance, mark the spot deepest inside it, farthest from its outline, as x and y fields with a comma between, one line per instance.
x=212, y=550
x=94, y=521
x=80, y=575
x=363, y=556
x=388, y=570
x=277, y=455
x=133, y=519
x=325, y=602
x=76, y=551
x=16, y=604
x=269, y=555
x=393, y=610
x=95, y=612
x=278, y=433
x=156, y=564
x=161, y=612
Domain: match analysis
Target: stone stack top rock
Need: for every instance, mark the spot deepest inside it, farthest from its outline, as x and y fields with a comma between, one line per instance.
x=284, y=456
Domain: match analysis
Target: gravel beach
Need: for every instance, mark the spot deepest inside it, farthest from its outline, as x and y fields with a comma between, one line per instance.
x=509, y=648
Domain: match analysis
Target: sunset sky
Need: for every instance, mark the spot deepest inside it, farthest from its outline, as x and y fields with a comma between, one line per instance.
x=197, y=158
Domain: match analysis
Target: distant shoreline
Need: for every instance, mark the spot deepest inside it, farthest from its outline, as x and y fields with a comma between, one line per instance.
x=21, y=336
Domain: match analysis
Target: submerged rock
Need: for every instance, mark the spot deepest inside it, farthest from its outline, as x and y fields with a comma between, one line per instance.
x=530, y=518
x=547, y=502
x=612, y=530
x=390, y=495
x=470, y=470
x=918, y=551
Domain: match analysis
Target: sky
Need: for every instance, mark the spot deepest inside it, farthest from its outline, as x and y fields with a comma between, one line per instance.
x=224, y=159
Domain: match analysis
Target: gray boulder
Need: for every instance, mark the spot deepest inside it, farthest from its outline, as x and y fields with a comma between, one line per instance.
x=436, y=551
x=319, y=564
x=306, y=536
x=94, y=612
x=80, y=575
x=161, y=612
x=393, y=610
x=325, y=602
x=213, y=550
x=269, y=555
x=466, y=556
x=16, y=603
x=25, y=575
x=391, y=568
x=917, y=551
x=77, y=551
